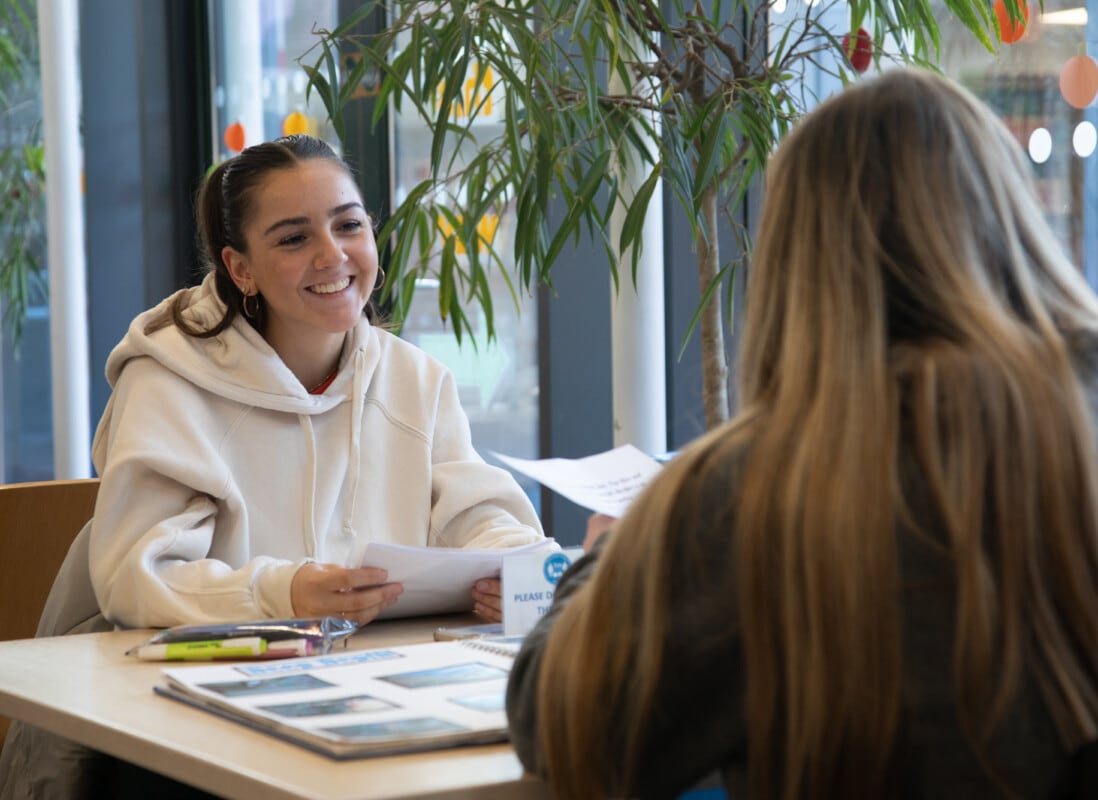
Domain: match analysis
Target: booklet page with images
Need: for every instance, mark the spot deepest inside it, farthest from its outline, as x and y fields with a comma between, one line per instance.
x=363, y=702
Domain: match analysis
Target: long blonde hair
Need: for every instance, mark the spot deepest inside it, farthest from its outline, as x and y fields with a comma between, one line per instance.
x=907, y=307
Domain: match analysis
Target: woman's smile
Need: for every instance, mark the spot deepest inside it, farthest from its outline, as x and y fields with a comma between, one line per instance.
x=331, y=288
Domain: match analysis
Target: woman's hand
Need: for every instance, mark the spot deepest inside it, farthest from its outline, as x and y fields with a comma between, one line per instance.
x=488, y=599
x=597, y=525
x=355, y=594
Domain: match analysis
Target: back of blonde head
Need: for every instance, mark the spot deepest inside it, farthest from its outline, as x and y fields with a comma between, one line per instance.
x=908, y=302
x=908, y=312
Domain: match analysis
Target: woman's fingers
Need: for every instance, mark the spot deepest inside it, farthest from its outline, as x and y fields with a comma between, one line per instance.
x=362, y=577
x=358, y=594
x=597, y=526
x=488, y=599
x=363, y=605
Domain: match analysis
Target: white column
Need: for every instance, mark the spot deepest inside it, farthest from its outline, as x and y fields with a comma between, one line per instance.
x=637, y=317
x=243, y=74
x=58, y=49
x=638, y=347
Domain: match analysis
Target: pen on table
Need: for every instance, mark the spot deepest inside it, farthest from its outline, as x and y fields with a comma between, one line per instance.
x=242, y=647
x=288, y=648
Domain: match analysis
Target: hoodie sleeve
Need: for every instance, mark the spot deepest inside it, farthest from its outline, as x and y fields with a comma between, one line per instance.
x=165, y=506
x=473, y=504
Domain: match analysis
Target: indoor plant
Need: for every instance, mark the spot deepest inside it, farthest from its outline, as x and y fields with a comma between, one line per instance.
x=593, y=94
x=22, y=165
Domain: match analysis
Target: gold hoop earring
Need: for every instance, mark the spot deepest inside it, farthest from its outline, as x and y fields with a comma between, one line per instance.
x=254, y=312
x=378, y=284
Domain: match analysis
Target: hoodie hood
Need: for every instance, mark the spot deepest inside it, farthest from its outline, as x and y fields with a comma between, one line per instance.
x=237, y=364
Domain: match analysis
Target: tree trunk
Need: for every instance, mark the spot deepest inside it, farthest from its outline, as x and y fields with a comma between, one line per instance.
x=714, y=363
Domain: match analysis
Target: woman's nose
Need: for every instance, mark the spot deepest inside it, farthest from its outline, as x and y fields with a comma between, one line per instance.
x=329, y=254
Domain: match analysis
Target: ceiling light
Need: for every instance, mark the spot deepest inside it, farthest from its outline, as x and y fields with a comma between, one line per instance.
x=1069, y=16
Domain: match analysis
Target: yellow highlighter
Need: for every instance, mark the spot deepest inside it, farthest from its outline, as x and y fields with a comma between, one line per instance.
x=243, y=647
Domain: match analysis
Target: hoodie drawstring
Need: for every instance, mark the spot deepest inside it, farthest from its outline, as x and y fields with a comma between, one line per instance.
x=309, y=505
x=358, y=403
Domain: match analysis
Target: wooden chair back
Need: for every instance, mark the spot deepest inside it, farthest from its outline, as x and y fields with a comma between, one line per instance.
x=38, y=522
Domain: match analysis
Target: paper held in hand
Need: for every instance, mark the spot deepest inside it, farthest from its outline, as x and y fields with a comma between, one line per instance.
x=439, y=580
x=606, y=482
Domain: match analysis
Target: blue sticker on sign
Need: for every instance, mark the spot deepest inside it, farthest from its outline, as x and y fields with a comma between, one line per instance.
x=554, y=567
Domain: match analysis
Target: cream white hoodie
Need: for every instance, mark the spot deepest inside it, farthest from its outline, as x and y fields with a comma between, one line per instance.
x=221, y=475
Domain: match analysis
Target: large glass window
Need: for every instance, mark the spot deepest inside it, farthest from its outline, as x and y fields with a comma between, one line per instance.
x=1053, y=121
x=26, y=447
x=1041, y=81
x=498, y=380
x=259, y=89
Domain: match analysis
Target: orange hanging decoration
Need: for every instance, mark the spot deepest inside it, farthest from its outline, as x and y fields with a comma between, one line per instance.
x=234, y=137
x=295, y=122
x=1079, y=81
x=1011, y=30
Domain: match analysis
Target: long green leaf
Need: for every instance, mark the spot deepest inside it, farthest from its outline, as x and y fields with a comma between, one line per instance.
x=633, y=226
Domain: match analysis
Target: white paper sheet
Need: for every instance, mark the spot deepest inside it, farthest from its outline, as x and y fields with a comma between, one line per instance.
x=438, y=580
x=606, y=482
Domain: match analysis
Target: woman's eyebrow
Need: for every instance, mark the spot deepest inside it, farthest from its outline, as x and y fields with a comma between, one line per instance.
x=284, y=223
x=335, y=212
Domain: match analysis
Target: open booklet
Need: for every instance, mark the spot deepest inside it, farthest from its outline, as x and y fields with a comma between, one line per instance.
x=363, y=702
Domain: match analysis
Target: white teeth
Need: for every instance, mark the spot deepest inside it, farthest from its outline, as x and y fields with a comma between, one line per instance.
x=329, y=288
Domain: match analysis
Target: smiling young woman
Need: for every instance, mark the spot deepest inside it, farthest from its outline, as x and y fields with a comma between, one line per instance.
x=262, y=430
x=258, y=407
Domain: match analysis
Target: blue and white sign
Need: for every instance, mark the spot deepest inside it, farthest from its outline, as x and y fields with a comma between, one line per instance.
x=528, y=582
x=554, y=567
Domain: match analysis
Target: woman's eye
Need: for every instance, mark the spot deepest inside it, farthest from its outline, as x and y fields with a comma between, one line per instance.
x=351, y=225
x=292, y=239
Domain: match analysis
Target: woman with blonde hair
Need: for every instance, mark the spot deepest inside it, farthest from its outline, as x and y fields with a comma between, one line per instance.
x=881, y=578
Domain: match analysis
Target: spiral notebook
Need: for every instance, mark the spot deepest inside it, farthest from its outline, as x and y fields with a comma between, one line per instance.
x=361, y=703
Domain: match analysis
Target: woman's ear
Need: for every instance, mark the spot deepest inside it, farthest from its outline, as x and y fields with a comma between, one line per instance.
x=237, y=265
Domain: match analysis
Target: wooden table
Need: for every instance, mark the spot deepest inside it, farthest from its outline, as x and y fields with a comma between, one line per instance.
x=85, y=688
